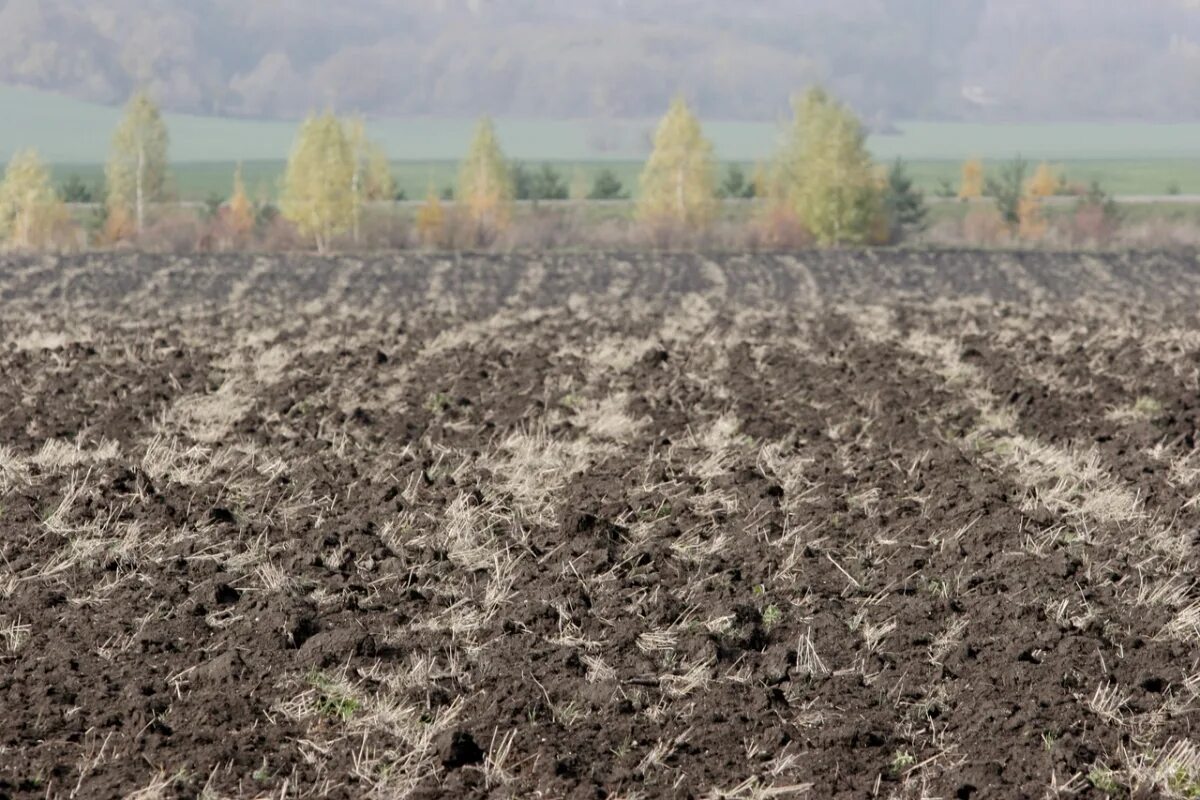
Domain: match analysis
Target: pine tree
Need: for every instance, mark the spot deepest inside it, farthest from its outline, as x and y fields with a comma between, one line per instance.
x=1007, y=189
x=606, y=186
x=319, y=190
x=903, y=205
x=548, y=184
x=485, y=188
x=136, y=173
x=735, y=185
x=678, y=183
x=31, y=213
x=972, y=185
x=825, y=175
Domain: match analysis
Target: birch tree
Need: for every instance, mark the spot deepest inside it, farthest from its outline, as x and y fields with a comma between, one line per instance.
x=825, y=174
x=678, y=183
x=31, y=213
x=372, y=180
x=485, y=188
x=319, y=184
x=136, y=172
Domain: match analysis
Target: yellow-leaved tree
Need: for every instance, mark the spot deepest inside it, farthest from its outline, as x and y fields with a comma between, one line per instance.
x=824, y=173
x=1031, y=216
x=485, y=189
x=136, y=173
x=678, y=183
x=31, y=214
x=431, y=220
x=1044, y=182
x=972, y=183
x=239, y=211
x=318, y=186
x=372, y=180
x=1031, y=220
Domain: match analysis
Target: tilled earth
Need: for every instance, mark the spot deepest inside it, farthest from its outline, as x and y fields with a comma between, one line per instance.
x=830, y=525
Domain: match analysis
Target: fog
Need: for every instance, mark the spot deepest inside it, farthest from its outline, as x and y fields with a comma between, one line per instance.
x=893, y=60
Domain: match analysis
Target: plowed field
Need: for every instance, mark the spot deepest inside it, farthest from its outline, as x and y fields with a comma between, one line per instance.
x=830, y=525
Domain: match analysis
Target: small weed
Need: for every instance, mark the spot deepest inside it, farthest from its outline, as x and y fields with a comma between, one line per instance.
x=651, y=514
x=901, y=761
x=566, y=714
x=771, y=616
x=14, y=636
x=333, y=701
x=1105, y=780
x=438, y=403
x=342, y=708
x=624, y=748
x=1143, y=408
x=1183, y=783
x=1147, y=407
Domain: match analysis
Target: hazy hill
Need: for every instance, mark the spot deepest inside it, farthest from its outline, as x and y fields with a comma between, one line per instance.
x=893, y=59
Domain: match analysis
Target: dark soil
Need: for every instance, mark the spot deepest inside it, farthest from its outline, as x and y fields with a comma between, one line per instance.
x=599, y=526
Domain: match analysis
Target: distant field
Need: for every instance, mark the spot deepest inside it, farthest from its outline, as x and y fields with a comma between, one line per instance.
x=1126, y=158
x=197, y=181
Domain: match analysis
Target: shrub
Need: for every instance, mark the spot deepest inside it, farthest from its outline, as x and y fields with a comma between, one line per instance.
x=175, y=230
x=431, y=222
x=984, y=226
x=1031, y=218
x=385, y=228
x=119, y=225
x=279, y=235
x=546, y=230
x=778, y=227
x=1095, y=219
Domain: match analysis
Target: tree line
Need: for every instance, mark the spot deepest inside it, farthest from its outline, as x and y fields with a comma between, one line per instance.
x=821, y=187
